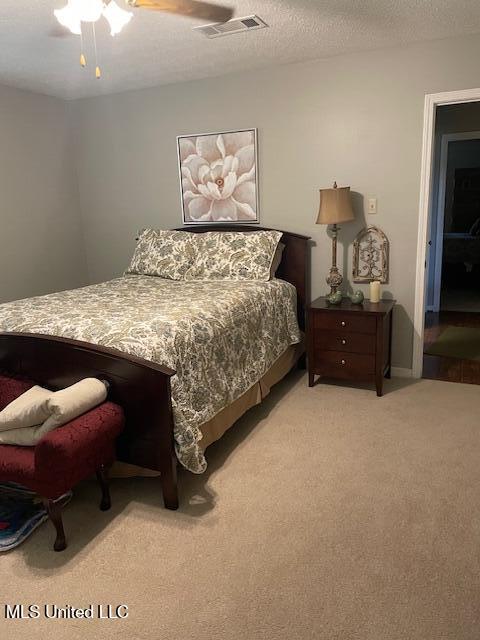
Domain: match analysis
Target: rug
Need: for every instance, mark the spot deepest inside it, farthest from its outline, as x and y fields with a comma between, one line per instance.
x=457, y=342
x=21, y=512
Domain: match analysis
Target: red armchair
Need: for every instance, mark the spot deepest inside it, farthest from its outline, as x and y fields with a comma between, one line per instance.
x=63, y=457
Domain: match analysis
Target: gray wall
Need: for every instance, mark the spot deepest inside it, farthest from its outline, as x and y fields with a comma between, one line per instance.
x=41, y=245
x=356, y=119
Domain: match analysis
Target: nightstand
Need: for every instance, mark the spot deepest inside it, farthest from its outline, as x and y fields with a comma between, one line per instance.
x=350, y=341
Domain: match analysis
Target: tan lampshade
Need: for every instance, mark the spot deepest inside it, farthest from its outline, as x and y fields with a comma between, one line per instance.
x=335, y=206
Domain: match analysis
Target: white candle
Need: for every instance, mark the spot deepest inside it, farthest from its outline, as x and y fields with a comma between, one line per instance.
x=375, y=291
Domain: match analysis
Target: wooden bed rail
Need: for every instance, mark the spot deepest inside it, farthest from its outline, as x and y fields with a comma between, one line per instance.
x=140, y=387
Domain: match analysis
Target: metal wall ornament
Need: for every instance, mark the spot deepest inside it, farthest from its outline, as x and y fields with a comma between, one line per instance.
x=371, y=256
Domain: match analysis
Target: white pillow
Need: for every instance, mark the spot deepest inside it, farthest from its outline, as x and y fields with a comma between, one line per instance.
x=57, y=407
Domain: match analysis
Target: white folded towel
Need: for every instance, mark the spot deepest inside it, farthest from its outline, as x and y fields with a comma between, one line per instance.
x=37, y=411
x=27, y=410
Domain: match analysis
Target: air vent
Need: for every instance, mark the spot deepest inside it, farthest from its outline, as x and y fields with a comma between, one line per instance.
x=249, y=23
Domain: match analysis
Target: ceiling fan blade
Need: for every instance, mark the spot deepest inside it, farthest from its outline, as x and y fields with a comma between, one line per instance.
x=59, y=32
x=191, y=8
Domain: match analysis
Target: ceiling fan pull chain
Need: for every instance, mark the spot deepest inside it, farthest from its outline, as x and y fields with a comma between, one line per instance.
x=98, y=72
x=83, y=60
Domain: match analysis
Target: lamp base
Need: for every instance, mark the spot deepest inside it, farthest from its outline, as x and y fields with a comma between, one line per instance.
x=334, y=279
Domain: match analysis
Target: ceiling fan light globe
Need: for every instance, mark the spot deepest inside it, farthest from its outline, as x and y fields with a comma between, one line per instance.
x=69, y=19
x=116, y=17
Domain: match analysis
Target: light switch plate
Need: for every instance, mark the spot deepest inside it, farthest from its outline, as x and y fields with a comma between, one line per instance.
x=372, y=205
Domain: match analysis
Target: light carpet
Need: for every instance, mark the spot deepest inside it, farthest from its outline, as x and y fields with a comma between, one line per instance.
x=326, y=513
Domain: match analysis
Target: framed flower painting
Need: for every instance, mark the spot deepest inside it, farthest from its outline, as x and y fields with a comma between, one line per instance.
x=218, y=177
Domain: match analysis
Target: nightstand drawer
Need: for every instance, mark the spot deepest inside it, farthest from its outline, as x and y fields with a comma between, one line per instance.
x=346, y=342
x=345, y=322
x=344, y=365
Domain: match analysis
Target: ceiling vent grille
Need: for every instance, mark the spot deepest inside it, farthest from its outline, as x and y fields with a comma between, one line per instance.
x=249, y=23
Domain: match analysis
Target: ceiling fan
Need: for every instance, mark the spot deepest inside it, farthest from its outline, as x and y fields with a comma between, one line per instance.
x=77, y=12
x=192, y=8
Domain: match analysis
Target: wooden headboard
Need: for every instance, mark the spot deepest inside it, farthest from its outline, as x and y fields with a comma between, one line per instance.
x=295, y=264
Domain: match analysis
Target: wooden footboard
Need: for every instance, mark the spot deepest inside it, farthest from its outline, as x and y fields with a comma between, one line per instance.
x=141, y=387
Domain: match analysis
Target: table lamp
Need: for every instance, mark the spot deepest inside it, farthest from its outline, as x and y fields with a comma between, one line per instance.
x=335, y=207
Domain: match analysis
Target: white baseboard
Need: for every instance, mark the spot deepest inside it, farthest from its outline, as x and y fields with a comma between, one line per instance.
x=400, y=372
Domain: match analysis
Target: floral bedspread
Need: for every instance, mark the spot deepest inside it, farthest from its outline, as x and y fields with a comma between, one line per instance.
x=220, y=337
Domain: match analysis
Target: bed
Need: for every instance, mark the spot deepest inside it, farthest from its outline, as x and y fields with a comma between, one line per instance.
x=227, y=340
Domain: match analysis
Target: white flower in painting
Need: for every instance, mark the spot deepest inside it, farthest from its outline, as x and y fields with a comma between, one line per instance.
x=218, y=177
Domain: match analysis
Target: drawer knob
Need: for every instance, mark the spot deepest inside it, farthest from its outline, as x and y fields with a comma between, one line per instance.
x=344, y=341
x=343, y=362
x=343, y=323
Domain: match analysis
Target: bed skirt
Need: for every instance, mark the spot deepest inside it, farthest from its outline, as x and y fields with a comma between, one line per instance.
x=214, y=429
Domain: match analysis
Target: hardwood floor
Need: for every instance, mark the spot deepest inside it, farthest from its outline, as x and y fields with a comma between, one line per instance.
x=449, y=369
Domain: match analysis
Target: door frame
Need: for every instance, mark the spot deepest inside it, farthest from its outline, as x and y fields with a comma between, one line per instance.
x=432, y=101
x=439, y=200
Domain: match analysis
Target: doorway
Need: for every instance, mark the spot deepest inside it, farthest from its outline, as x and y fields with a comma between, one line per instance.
x=453, y=263
x=447, y=306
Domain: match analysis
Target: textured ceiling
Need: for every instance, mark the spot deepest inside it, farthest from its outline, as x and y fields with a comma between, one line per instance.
x=159, y=48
